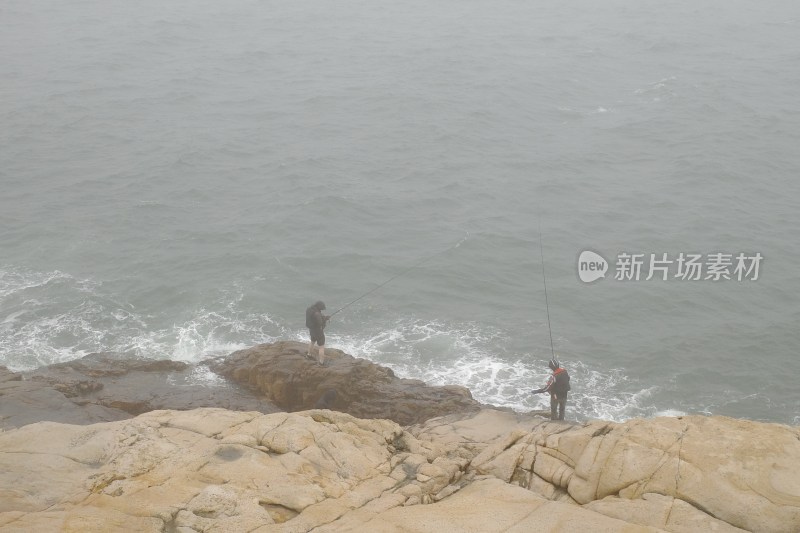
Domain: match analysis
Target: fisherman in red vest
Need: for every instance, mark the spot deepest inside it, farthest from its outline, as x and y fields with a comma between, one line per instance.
x=558, y=387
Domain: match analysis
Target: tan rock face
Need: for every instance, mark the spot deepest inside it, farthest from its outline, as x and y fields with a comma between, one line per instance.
x=712, y=470
x=213, y=470
x=209, y=470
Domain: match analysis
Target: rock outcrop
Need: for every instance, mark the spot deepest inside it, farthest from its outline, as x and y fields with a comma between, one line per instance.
x=108, y=386
x=214, y=470
x=267, y=378
x=283, y=374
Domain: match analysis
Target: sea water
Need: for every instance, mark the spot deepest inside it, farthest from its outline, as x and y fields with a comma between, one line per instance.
x=182, y=179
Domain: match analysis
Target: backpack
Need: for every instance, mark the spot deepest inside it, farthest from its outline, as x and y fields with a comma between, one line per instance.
x=561, y=384
x=310, y=320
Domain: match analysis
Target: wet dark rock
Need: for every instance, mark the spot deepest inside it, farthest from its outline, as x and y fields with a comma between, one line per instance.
x=109, y=386
x=286, y=377
x=267, y=378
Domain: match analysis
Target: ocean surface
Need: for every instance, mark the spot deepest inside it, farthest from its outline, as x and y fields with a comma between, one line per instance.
x=182, y=179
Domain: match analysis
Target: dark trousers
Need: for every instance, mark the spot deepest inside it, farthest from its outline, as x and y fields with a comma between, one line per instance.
x=557, y=403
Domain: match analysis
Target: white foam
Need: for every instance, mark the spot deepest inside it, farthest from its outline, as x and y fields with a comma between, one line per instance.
x=14, y=281
x=671, y=413
x=48, y=325
x=473, y=356
x=10, y=319
x=202, y=375
x=198, y=338
x=468, y=354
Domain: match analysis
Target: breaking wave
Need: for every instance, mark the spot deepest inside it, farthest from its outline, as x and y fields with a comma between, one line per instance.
x=54, y=317
x=479, y=358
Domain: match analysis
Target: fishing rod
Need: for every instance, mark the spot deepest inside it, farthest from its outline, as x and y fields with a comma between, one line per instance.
x=544, y=281
x=406, y=271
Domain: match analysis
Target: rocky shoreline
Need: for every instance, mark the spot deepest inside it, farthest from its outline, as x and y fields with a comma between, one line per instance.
x=106, y=387
x=112, y=444
x=268, y=378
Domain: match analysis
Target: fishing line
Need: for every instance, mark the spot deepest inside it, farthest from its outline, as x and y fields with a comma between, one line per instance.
x=544, y=281
x=406, y=271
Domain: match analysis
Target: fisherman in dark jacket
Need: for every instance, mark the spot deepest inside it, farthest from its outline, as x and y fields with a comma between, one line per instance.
x=558, y=386
x=315, y=322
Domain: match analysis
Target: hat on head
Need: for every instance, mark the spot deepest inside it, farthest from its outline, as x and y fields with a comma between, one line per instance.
x=553, y=364
x=320, y=305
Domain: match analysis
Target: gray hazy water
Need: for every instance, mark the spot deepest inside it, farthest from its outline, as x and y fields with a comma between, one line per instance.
x=183, y=178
